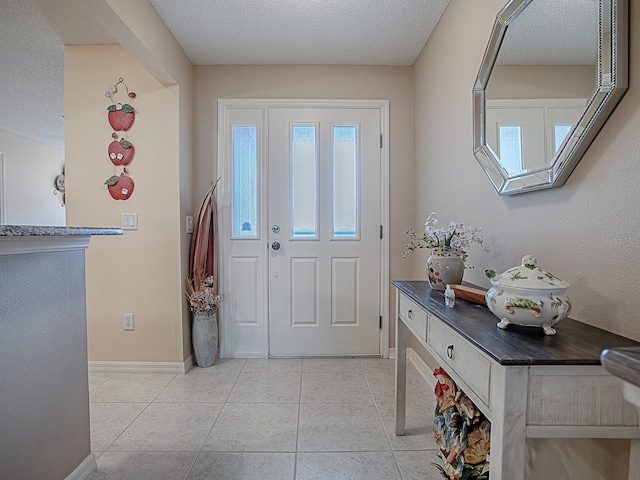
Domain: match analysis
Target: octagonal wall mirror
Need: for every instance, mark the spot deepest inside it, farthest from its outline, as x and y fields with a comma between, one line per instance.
x=552, y=73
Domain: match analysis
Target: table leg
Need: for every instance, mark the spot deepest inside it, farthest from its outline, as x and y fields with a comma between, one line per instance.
x=401, y=374
x=508, y=422
x=634, y=459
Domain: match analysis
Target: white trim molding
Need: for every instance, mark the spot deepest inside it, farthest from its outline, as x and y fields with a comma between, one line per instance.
x=18, y=245
x=142, y=367
x=85, y=470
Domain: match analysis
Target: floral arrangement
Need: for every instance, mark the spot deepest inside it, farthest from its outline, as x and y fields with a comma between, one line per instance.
x=201, y=284
x=202, y=294
x=455, y=236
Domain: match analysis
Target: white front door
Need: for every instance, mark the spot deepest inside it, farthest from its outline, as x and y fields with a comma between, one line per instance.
x=324, y=237
x=314, y=169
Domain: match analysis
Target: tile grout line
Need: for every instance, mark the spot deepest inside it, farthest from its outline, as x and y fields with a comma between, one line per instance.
x=224, y=402
x=384, y=430
x=134, y=419
x=295, y=454
x=199, y=452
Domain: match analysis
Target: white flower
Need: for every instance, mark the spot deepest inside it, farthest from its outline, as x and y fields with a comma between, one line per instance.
x=124, y=191
x=120, y=156
x=112, y=156
x=455, y=236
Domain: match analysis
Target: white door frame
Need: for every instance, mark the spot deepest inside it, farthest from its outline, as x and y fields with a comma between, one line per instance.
x=224, y=108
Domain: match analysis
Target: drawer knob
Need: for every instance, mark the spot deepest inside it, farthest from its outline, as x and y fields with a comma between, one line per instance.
x=410, y=314
x=450, y=351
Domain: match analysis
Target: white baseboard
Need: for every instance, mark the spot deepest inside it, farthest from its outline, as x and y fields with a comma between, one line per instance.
x=141, y=367
x=423, y=369
x=85, y=470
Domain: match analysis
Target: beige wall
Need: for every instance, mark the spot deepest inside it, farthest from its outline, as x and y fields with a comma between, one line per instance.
x=542, y=81
x=30, y=167
x=140, y=272
x=142, y=33
x=587, y=232
x=318, y=82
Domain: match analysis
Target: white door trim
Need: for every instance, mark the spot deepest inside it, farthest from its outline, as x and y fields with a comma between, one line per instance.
x=224, y=107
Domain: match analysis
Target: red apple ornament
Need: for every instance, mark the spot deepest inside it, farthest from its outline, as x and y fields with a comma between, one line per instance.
x=121, y=116
x=120, y=187
x=122, y=152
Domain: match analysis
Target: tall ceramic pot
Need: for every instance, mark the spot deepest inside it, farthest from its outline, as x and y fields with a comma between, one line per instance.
x=445, y=266
x=204, y=336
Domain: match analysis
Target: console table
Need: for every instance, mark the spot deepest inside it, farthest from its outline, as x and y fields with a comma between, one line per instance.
x=528, y=384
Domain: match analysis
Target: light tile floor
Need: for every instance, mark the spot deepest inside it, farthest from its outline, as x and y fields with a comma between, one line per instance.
x=311, y=419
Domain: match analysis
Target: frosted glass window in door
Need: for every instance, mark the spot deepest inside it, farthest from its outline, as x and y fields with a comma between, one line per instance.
x=345, y=181
x=244, y=210
x=510, y=145
x=304, y=184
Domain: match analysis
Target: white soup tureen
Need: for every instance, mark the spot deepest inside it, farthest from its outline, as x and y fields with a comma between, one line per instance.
x=528, y=295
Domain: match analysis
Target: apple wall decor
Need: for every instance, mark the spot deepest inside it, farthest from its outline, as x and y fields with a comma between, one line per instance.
x=121, y=151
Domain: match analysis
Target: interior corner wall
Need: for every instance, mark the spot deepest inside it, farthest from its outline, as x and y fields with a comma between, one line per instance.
x=188, y=204
x=318, y=82
x=586, y=232
x=30, y=168
x=139, y=272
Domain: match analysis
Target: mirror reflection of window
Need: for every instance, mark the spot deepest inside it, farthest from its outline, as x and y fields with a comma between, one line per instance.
x=560, y=132
x=510, y=148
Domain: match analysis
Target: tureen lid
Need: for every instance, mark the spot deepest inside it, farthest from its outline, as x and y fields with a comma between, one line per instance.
x=529, y=275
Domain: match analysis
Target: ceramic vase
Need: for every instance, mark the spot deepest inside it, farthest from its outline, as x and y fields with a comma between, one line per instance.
x=204, y=336
x=445, y=266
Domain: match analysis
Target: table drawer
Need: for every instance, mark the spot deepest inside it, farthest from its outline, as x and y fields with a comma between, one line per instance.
x=467, y=362
x=413, y=316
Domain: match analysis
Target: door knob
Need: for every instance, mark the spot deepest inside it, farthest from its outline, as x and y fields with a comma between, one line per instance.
x=275, y=228
x=275, y=245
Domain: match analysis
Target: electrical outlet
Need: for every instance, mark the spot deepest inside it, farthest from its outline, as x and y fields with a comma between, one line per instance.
x=127, y=321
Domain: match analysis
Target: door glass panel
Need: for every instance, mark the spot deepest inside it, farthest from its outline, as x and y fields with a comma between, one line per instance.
x=244, y=214
x=511, y=148
x=304, y=168
x=345, y=182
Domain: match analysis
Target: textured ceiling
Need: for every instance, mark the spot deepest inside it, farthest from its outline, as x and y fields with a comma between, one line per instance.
x=552, y=32
x=355, y=32
x=32, y=34
x=259, y=32
x=31, y=75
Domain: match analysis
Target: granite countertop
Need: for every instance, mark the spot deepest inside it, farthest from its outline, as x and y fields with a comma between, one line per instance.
x=44, y=231
x=624, y=363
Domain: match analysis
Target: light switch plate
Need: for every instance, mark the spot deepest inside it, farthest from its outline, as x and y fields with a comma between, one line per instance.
x=129, y=221
x=189, y=224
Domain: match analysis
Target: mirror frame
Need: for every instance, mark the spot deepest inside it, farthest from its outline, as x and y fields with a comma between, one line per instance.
x=605, y=97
